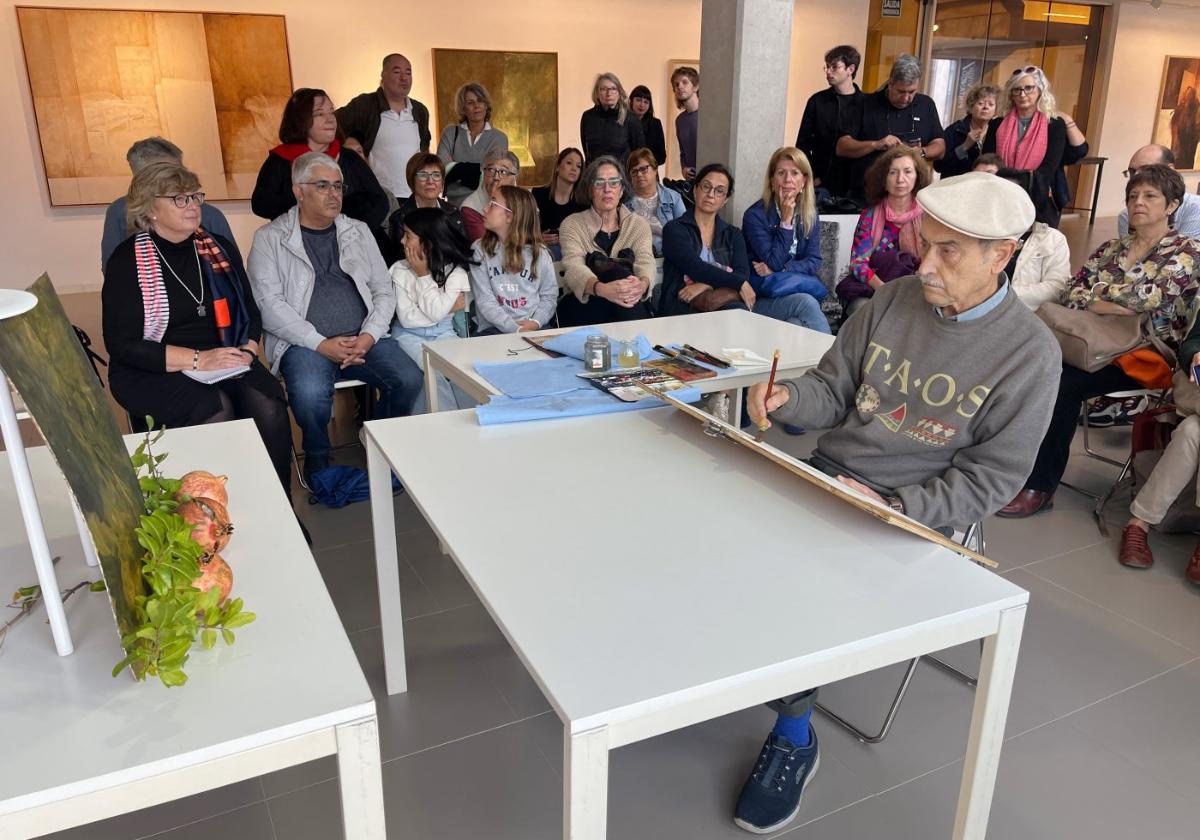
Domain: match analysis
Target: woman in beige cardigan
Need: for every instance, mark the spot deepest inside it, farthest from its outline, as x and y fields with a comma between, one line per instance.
x=605, y=229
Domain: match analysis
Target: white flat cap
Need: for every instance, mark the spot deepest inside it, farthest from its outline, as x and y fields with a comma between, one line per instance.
x=979, y=204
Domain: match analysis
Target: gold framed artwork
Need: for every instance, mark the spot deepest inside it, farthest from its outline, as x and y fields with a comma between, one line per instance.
x=1177, y=111
x=523, y=87
x=667, y=112
x=213, y=84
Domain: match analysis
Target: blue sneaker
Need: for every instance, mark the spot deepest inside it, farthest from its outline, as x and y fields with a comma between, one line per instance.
x=771, y=797
x=793, y=429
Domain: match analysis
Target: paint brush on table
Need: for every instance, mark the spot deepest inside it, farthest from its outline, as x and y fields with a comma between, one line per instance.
x=762, y=424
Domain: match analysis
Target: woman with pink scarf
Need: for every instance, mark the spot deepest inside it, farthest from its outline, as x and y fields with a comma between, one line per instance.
x=1030, y=136
x=887, y=240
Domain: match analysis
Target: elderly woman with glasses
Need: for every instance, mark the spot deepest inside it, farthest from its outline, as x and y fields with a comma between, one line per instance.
x=425, y=174
x=965, y=138
x=177, y=307
x=609, y=127
x=607, y=252
x=1030, y=135
x=650, y=199
x=465, y=144
x=309, y=125
x=500, y=168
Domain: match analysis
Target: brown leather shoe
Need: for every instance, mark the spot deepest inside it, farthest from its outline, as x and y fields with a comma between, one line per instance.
x=1027, y=503
x=1135, y=551
x=1193, y=569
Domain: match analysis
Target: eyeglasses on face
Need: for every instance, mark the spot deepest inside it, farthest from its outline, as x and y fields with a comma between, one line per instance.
x=638, y=170
x=495, y=203
x=429, y=176
x=184, y=199
x=1026, y=90
x=1131, y=171
x=710, y=189
x=606, y=89
x=606, y=183
x=499, y=172
x=324, y=186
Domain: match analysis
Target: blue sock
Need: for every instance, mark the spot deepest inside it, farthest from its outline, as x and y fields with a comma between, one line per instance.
x=795, y=729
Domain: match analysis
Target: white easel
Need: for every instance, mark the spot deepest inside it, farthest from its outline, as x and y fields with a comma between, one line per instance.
x=12, y=303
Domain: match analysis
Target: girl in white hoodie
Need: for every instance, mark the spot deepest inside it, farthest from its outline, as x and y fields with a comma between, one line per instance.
x=431, y=286
x=513, y=278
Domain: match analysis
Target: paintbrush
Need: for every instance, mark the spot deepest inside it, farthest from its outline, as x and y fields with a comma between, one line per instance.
x=763, y=423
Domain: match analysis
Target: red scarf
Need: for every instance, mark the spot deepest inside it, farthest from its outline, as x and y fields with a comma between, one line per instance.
x=908, y=223
x=291, y=151
x=1024, y=154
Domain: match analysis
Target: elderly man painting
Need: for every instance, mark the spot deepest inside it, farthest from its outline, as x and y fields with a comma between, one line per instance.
x=326, y=300
x=935, y=393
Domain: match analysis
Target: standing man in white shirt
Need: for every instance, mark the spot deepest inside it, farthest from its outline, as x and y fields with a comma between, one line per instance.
x=390, y=125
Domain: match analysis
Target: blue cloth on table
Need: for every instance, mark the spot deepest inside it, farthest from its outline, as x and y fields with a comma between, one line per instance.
x=589, y=400
x=571, y=344
x=533, y=379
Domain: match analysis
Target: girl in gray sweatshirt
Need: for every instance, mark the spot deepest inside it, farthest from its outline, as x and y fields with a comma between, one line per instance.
x=514, y=283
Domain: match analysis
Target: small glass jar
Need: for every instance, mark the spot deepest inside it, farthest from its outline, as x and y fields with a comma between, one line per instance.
x=628, y=355
x=597, y=354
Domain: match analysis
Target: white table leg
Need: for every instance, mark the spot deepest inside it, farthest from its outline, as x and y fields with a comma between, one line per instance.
x=431, y=399
x=360, y=777
x=387, y=567
x=996, y=672
x=585, y=784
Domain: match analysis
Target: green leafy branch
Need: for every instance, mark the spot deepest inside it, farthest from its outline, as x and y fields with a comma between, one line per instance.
x=27, y=597
x=175, y=614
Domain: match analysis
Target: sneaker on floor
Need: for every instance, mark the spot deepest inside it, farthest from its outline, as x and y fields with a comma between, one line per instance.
x=770, y=798
x=1112, y=411
x=793, y=429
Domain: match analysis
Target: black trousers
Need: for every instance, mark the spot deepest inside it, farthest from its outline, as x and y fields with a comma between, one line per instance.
x=174, y=400
x=572, y=313
x=1075, y=386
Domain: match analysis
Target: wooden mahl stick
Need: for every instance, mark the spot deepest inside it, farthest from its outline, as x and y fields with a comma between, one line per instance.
x=812, y=476
x=764, y=422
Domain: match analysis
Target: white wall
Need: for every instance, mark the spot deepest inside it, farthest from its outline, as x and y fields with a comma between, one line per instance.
x=339, y=48
x=1144, y=37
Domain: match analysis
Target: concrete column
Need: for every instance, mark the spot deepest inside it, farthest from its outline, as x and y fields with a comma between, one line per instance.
x=745, y=47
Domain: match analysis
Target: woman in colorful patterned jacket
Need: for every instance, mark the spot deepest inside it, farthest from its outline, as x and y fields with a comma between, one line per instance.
x=1151, y=271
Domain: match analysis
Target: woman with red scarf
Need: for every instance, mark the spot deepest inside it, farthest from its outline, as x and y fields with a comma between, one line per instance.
x=1030, y=136
x=887, y=240
x=309, y=125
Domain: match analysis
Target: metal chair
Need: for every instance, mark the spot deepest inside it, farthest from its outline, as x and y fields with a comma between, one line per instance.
x=973, y=539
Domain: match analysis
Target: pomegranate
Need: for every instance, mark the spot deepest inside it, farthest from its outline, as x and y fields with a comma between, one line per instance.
x=204, y=485
x=210, y=523
x=214, y=571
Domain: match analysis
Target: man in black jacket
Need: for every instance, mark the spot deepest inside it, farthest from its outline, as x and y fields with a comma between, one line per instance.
x=839, y=104
x=390, y=125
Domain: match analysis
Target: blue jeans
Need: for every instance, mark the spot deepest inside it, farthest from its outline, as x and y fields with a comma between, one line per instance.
x=310, y=377
x=411, y=340
x=800, y=309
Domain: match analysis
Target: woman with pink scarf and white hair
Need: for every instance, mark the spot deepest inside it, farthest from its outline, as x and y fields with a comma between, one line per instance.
x=1030, y=136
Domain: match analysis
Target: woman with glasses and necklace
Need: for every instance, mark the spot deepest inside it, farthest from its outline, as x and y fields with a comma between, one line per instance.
x=609, y=127
x=426, y=175
x=465, y=144
x=650, y=199
x=1030, y=136
x=177, y=307
x=500, y=168
x=309, y=125
x=607, y=252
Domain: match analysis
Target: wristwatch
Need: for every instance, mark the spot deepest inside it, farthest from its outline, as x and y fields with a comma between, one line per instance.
x=894, y=503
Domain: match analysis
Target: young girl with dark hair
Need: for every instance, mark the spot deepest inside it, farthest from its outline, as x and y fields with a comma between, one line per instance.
x=431, y=285
x=514, y=281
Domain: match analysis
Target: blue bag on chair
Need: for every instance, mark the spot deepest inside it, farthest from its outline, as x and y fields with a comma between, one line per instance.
x=783, y=283
x=337, y=487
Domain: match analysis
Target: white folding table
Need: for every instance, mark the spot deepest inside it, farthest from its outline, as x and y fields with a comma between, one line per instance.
x=711, y=331
x=637, y=566
x=80, y=745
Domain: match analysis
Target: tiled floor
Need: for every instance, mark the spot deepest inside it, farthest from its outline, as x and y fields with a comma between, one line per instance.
x=1101, y=738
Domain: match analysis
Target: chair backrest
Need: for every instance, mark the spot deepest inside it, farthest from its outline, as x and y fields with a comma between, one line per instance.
x=828, y=275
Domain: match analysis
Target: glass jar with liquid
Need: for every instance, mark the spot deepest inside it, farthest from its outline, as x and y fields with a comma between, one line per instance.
x=597, y=355
x=628, y=355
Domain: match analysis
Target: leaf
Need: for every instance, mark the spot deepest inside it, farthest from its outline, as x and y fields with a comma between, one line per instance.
x=239, y=620
x=208, y=638
x=98, y=586
x=172, y=678
x=123, y=664
x=227, y=635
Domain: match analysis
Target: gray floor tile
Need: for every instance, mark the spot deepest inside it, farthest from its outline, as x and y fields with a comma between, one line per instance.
x=331, y=527
x=168, y=815
x=250, y=823
x=1153, y=727
x=352, y=580
x=1158, y=598
x=437, y=571
x=452, y=692
x=496, y=786
x=301, y=776
x=1009, y=543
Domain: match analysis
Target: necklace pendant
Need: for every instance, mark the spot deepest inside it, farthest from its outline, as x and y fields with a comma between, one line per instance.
x=200, y=310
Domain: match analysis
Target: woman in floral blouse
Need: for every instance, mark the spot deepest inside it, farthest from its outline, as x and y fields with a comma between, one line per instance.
x=887, y=241
x=1152, y=270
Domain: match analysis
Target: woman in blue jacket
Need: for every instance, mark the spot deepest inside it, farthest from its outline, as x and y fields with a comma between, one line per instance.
x=783, y=243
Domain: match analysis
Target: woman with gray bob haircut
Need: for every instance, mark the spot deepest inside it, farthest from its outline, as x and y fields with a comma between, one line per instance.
x=500, y=167
x=464, y=145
